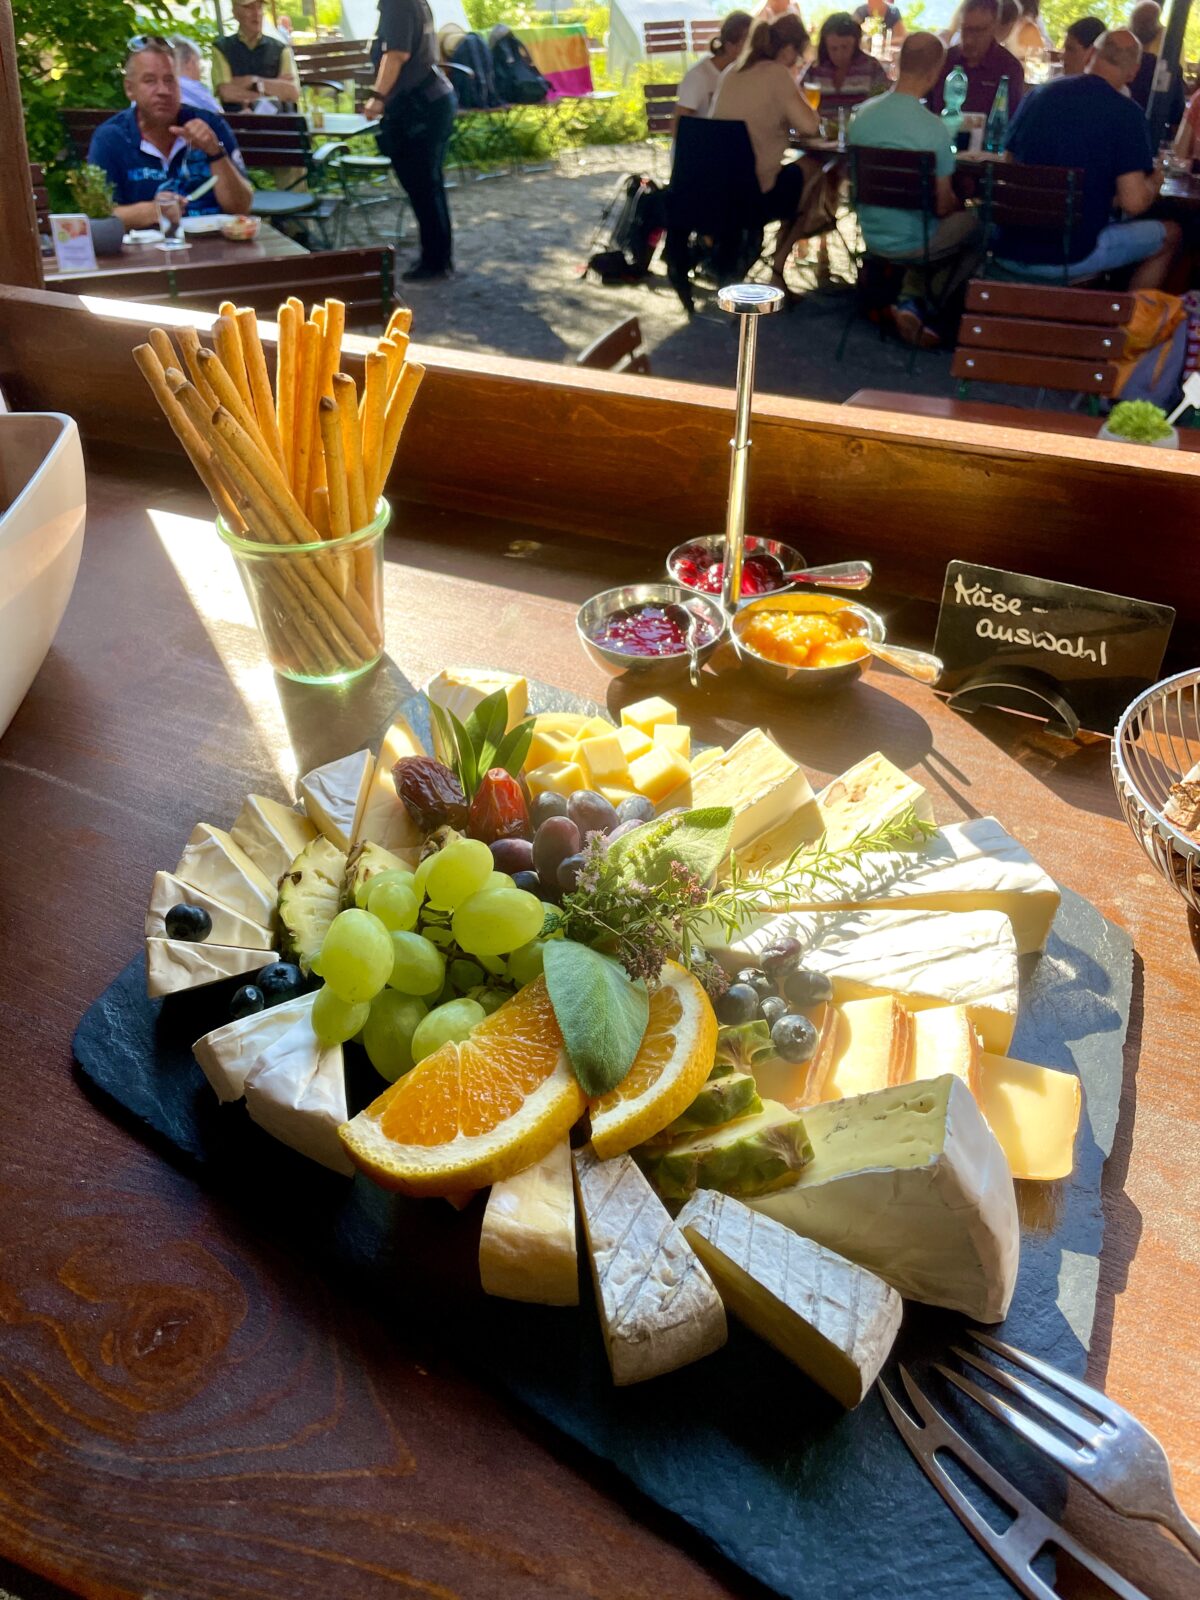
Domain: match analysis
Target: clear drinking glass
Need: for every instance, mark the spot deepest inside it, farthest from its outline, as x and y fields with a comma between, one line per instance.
x=319, y=607
x=170, y=221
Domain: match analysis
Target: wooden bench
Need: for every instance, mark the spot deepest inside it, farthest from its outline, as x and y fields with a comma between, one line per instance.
x=41, y=198
x=620, y=349
x=334, y=63
x=1041, y=337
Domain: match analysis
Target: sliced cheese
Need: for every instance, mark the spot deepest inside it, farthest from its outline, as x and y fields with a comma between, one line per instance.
x=527, y=1243
x=228, y=927
x=910, y=1183
x=227, y=1053
x=646, y=715
x=213, y=863
x=658, y=1307
x=335, y=796
x=385, y=819
x=927, y=958
x=872, y=1048
x=1034, y=1113
x=173, y=965
x=296, y=1090
x=461, y=689
x=835, y=1320
x=271, y=834
x=945, y=1041
x=765, y=788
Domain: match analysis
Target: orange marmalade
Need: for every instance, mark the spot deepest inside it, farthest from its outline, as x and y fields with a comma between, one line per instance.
x=802, y=638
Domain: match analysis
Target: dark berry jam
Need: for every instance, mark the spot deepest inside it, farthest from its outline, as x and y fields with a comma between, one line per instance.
x=649, y=630
x=699, y=568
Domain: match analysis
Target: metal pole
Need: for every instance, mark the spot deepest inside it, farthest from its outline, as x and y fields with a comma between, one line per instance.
x=748, y=302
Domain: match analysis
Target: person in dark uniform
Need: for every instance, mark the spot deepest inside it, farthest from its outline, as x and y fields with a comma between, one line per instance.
x=415, y=107
x=250, y=65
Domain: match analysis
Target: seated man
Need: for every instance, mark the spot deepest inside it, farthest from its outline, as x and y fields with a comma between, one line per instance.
x=250, y=65
x=898, y=121
x=1079, y=42
x=983, y=60
x=1089, y=122
x=157, y=147
x=189, y=69
x=1145, y=24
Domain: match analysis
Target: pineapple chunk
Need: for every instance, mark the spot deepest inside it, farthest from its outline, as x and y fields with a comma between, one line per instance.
x=550, y=744
x=648, y=714
x=603, y=761
x=659, y=772
x=676, y=736
x=634, y=742
x=561, y=777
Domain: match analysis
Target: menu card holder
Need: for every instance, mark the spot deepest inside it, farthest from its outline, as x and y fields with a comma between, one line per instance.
x=1021, y=689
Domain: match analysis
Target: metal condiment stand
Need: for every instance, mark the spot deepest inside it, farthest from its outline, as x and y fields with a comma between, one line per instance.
x=748, y=301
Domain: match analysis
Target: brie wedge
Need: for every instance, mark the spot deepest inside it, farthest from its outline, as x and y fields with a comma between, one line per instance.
x=658, y=1307
x=527, y=1243
x=271, y=834
x=213, y=863
x=836, y=1321
x=296, y=1090
x=173, y=965
x=334, y=795
x=228, y=927
x=227, y=1053
x=910, y=1183
x=385, y=819
x=769, y=794
x=461, y=689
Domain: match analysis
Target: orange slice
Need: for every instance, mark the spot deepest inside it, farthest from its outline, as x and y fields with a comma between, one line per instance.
x=668, y=1071
x=474, y=1112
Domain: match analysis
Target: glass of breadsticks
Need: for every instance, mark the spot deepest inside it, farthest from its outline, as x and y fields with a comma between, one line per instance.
x=296, y=469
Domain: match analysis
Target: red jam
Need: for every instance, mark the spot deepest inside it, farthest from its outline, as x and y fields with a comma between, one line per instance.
x=699, y=568
x=649, y=630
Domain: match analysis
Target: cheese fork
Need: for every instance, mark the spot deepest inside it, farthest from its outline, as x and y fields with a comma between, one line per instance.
x=1111, y=1452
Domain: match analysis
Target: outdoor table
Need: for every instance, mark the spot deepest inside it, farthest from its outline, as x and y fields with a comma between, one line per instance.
x=208, y=250
x=191, y=1406
x=339, y=124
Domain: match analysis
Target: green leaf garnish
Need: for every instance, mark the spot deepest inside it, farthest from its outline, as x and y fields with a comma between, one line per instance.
x=480, y=744
x=696, y=840
x=485, y=729
x=602, y=1014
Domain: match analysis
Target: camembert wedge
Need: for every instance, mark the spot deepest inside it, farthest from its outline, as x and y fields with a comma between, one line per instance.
x=385, y=819
x=173, y=965
x=296, y=1090
x=227, y=1053
x=765, y=787
x=213, y=863
x=228, y=927
x=271, y=834
x=335, y=795
x=527, y=1242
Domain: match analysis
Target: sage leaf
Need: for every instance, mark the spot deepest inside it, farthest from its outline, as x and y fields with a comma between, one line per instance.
x=600, y=1011
x=697, y=840
x=485, y=728
x=514, y=747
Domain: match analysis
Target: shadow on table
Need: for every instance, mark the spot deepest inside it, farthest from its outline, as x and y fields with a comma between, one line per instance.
x=326, y=722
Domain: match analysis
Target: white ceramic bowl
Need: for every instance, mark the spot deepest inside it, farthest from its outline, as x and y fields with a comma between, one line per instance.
x=42, y=505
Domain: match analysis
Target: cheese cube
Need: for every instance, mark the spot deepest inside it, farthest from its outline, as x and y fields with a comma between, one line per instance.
x=648, y=714
x=614, y=794
x=1033, y=1111
x=560, y=777
x=676, y=736
x=550, y=744
x=593, y=728
x=634, y=742
x=658, y=772
x=603, y=760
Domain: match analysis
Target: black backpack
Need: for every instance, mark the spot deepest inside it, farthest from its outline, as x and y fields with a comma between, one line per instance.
x=636, y=217
x=476, y=86
x=518, y=81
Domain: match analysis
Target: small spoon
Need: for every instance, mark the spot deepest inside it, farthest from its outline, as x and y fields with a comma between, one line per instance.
x=689, y=622
x=837, y=575
x=919, y=664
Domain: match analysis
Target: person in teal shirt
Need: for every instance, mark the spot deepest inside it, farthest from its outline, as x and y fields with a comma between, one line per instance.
x=898, y=121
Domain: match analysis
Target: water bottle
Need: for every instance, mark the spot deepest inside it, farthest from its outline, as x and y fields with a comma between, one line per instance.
x=841, y=128
x=995, y=130
x=954, y=92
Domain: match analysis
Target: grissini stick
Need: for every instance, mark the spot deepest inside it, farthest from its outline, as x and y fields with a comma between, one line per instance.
x=345, y=397
x=400, y=321
x=374, y=411
x=227, y=394
x=151, y=368
x=399, y=405
x=306, y=405
x=260, y=384
x=189, y=343
x=227, y=342
x=286, y=358
x=339, y=501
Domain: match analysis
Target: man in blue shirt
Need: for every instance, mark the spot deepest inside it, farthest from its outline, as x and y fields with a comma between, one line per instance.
x=1089, y=122
x=151, y=148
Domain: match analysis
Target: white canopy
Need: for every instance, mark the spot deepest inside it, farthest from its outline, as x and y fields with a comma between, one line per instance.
x=627, y=18
x=359, y=17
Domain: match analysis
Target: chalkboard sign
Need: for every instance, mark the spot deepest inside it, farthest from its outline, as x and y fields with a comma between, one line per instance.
x=1076, y=657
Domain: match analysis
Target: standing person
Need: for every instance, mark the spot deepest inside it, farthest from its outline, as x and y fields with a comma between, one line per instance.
x=843, y=71
x=283, y=27
x=984, y=61
x=415, y=106
x=701, y=82
x=250, y=65
x=193, y=91
x=1079, y=43
x=772, y=10
x=1027, y=36
x=884, y=13
x=1145, y=23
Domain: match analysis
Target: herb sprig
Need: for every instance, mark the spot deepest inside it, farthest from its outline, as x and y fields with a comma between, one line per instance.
x=473, y=748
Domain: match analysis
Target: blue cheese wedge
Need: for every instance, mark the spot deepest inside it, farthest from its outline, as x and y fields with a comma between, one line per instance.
x=296, y=1090
x=385, y=819
x=213, y=863
x=335, y=795
x=461, y=689
x=173, y=965
x=835, y=1320
x=228, y=927
x=658, y=1307
x=227, y=1053
x=910, y=1183
x=271, y=834
x=527, y=1243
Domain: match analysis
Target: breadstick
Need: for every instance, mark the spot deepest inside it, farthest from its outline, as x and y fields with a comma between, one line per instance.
x=399, y=405
x=189, y=343
x=321, y=513
x=161, y=344
x=306, y=405
x=260, y=383
x=151, y=368
x=345, y=397
x=339, y=501
x=286, y=359
x=297, y=305
x=374, y=409
x=400, y=321
x=394, y=350
x=226, y=393
x=228, y=344
x=333, y=327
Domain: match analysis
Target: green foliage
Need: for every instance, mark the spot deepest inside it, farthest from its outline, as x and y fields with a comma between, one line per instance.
x=1139, y=421
x=483, y=15
x=90, y=191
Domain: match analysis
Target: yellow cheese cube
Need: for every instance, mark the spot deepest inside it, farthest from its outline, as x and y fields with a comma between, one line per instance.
x=676, y=736
x=648, y=714
x=593, y=728
x=614, y=795
x=658, y=772
x=634, y=742
x=561, y=722
x=561, y=777
x=550, y=744
x=603, y=760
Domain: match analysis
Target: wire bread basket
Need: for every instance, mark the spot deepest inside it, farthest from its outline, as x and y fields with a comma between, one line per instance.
x=1157, y=741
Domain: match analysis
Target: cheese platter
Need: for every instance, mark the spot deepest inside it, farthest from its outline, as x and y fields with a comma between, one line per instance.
x=853, y=1067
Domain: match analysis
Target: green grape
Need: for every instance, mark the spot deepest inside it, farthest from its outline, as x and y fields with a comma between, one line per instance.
x=525, y=964
x=364, y=888
x=419, y=876
x=314, y=966
x=446, y=1024
x=418, y=967
x=335, y=1020
x=356, y=957
x=465, y=975
x=394, y=903
x=498, y=920
x=490, y=999
x=438, y=934
x=458, y=871
x=387, y=1034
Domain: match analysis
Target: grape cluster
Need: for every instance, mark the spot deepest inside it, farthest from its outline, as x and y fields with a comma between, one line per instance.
x=778, y=992
x=562, y=825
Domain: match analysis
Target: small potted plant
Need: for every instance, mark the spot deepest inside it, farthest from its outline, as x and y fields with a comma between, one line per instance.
x=1140, y=422
x=93, y=196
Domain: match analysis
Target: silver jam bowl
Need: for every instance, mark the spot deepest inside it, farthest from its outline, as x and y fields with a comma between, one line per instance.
x=803, y=680
x=715, y=543
x=594, y=613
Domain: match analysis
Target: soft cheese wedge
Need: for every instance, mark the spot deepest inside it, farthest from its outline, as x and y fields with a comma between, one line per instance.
x=926, y=958
x=527, y=1243
x=872, y=1048
x=658, y=1307
x=213, y=863
x=871, y=794
x=173, y=965
x=1034, y=1113
x=385, y=819
x=765, y=787
x=271, y=834
x=227, y=1053
x=835, y=1320
x=296, y=1090
x=335, y=795
x=910, y=1183
x=461, y=689
x=228, y=927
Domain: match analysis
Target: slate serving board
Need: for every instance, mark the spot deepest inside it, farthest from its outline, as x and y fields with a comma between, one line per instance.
x=810, y=1500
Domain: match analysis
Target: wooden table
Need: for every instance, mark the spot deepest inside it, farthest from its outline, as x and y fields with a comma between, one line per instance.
x=209, y=250
x=1068, y=423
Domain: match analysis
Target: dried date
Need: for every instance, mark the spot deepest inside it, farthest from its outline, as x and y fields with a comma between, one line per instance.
x=431, y=793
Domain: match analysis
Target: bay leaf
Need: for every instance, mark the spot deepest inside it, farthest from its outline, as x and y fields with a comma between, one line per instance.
x=601, y=1012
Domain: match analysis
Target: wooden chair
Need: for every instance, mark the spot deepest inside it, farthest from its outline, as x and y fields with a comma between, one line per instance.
x=900, y=180
x=618, y=350
x=41, y=199
x=334, y=63
x=363, y=278
x=81, y=123
x=1042, y=200
x=660, y=112
x=713, y=195
x=1041, y=337
x=665, y=38
x=702, y=34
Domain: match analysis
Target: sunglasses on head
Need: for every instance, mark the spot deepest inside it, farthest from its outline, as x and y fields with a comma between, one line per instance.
x=147, y=41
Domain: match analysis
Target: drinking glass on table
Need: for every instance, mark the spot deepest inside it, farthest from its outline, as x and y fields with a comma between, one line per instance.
x=170, y=208
x=812, y=93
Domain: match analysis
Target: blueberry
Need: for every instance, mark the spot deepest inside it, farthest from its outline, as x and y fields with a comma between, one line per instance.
x=780, y=957
x=192, y=923
x=756, y=979
x=529, y=881
x=794, y=1038
x=247, y=1001
x=772, y=1008
x=281, y=981
x=802, y=988
x=738, y=1004
x=636, y=809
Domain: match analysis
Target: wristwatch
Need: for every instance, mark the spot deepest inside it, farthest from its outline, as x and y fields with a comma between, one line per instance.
x=221, y=155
